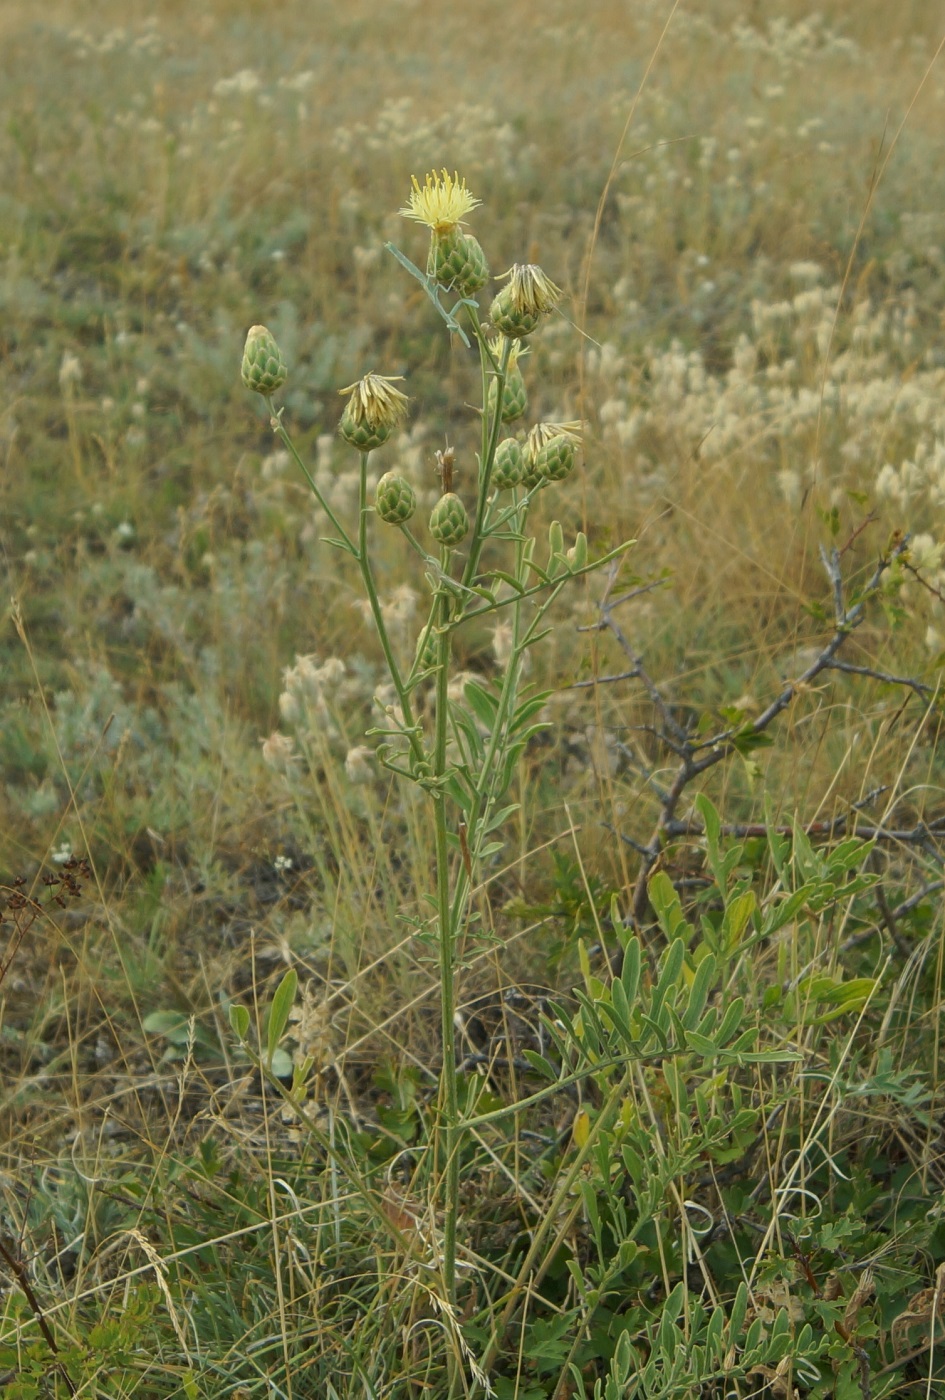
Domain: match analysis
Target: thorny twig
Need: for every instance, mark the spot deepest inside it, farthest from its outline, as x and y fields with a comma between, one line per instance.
x=696, y=756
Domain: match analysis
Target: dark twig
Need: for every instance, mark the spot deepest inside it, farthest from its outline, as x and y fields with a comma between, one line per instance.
x=18, y=1270
x=925, y=692
x=699, y=756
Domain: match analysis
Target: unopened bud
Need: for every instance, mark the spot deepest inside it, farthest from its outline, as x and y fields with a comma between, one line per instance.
x=263, y=370
x=551, y=450
x=394, y=499
x=457, y=260
x=449, y=523
x=508, y=468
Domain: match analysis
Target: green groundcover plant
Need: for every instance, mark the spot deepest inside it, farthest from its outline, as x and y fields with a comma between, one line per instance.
x=708, y=1169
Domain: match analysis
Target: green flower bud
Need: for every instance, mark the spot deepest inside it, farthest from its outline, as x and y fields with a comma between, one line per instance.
x=508, y=469
x=263, y=370
x=510, y=319
x=449, y=523
x=374, y=409
x=394, y=499
x=551, y=450
x=514, y=396
x=555, y=460
x=457, y=260
x=426, y=653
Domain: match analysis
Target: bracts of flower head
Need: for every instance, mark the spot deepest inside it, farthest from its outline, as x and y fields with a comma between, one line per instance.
x=455, y=259
x=549, y=452
x=528, y=296
x=264, y=368
x=514, y=395
x=374, y=409
x=395, y=500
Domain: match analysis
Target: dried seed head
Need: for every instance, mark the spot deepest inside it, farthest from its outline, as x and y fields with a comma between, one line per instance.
x=520, y=305
x=374, y=409
x=440, y=203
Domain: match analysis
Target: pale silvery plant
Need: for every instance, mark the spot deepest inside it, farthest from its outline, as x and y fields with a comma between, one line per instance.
x=461, y=752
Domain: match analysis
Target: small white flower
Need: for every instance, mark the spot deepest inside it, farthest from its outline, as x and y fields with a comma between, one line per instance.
x=278, y=752
x=358, y=765
x=70, y=370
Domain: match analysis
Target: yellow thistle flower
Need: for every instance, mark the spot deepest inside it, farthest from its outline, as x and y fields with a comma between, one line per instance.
x=530, y=291
x=373, y=411
x=440, y=203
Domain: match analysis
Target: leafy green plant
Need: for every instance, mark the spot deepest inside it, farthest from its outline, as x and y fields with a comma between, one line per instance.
x=464, y=757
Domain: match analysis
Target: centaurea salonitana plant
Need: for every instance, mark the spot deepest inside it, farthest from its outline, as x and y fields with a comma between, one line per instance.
x=466, y=781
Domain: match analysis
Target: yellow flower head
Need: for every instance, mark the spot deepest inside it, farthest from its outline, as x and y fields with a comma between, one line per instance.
x=441, y=202
x=375, y=403
x=530, y=291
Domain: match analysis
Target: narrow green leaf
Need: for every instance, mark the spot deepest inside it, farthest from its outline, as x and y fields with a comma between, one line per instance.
x=669, y=974
x=699, y=992
x=736, y=1319
x=509, y=579
x=239, y=1020
x=540, y=1065
x=701, y=1043
x=483, y=705
x=279, y=1011
x=731, y=1020
x=630, y=972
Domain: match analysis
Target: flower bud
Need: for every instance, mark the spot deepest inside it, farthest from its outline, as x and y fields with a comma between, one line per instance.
x=449, y=523
x=426, y=653
x=510, y=319
x=508, y=469
x=263, y=370
x=374, y=409
x=514, y=395
x=457, y=260
x=551, y=450
x=394, y=499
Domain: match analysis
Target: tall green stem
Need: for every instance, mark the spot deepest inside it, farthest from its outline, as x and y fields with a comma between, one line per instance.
x=291, y=448
x=447, y=939
x=491, y=427
x=367, y=577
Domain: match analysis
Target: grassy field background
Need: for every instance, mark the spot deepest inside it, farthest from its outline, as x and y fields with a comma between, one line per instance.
x=745, y=206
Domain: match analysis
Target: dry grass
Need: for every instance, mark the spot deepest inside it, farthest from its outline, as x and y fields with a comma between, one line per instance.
x=748, y=360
